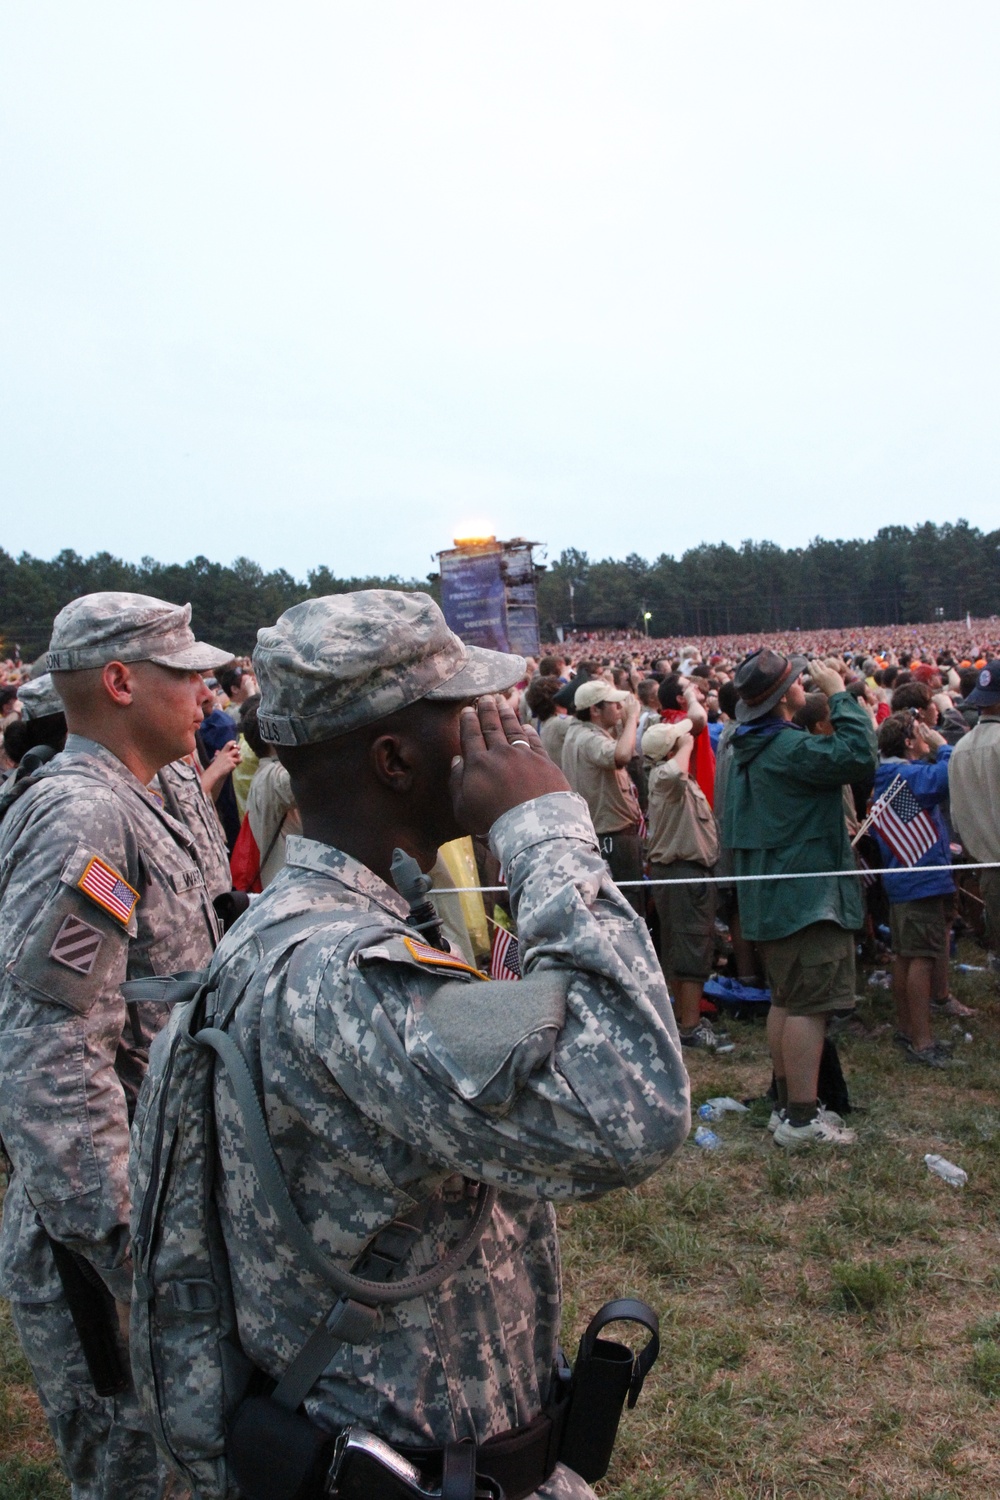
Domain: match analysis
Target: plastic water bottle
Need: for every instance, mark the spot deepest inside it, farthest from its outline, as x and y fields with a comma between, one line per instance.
x=706, y=1139
x=714, y=1109
x=946, y=1170
x=969, y=969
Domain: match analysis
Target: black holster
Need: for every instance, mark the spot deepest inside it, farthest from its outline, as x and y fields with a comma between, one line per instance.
x=95, y=1318
x=605, y=1374
x=278, y=1454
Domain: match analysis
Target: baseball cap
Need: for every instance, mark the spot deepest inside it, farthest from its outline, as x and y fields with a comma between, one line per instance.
x=596, y=691
x=335, y=664
x=39, y=698
x=659, y=739
x=98, y=628
x=986, y=693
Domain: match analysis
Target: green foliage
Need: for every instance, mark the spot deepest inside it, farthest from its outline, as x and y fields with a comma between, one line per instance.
x=984, y=1367
x=865, y=1286
x=229, y=604
x=31, y=1481
x=901, y=575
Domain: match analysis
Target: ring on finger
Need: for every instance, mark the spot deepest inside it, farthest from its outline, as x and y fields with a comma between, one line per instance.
x=520, y=742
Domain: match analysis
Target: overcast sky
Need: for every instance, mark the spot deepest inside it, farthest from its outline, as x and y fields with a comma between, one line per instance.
x=335, y=282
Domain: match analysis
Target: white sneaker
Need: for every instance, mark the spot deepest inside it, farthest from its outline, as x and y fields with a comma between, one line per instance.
x=816, y=1133
x=828, y=1116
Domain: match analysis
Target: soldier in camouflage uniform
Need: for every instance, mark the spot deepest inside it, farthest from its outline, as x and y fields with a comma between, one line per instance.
x=98, y=883
x=399, y=1074
x=180, y=787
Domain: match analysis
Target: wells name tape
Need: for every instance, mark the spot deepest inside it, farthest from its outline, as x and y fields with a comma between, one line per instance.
x=464, y=890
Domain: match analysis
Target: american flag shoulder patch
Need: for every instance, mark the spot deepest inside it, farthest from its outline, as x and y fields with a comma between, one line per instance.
x=425, y=954
x=103, y=884
x=76, y=945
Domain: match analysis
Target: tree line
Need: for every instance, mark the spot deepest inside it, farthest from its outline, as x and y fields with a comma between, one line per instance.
x=901, y=575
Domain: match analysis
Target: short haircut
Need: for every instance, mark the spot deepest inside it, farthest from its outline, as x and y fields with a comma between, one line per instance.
x=228, y=678
x=670, y=694
x=539, y=695
x=728, y=698
x=894, y=733
x=648, y=691
x=815, y=710
x=548, y=667
x=968, y=680
x=250, y=729
x=911, y=695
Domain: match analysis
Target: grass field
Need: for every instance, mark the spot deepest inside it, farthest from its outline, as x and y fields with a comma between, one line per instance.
x=830, y=1323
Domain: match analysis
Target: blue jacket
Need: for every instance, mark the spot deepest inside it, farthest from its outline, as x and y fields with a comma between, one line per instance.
x=928, y=781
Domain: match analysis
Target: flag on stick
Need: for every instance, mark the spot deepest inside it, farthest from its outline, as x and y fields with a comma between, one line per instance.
x=505, y=961
x=908, y=830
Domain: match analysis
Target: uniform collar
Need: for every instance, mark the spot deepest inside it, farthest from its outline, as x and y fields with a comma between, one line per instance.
x=108, y=762
x=324, y=859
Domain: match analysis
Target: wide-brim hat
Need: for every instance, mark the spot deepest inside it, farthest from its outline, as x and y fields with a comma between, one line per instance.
x=761, y=681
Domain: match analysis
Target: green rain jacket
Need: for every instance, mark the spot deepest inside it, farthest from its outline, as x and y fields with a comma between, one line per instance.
x=784, y=811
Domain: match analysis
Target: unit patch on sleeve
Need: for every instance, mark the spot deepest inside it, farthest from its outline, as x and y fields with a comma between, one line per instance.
x=105, y=886
x=76, y=945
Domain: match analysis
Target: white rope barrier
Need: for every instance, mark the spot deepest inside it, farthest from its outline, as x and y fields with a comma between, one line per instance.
x=466, y=890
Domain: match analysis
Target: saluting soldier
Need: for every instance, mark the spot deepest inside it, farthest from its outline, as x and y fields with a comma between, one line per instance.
x=392, y=1074
x=98, y=884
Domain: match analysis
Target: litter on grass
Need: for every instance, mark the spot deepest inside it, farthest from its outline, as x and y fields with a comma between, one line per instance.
x=714, y=1109
x=946, y=1170
x=706, y=1139
x=880, y=979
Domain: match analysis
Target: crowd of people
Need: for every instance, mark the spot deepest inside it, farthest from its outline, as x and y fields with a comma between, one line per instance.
x=680, y=750
x=653, y=813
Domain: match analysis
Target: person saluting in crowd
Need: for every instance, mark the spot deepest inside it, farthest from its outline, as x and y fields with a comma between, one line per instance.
x=391, y=1073
x=784, y=814
x=99, y=884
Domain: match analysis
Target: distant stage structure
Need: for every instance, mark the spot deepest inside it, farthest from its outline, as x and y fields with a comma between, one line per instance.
x=488, y=593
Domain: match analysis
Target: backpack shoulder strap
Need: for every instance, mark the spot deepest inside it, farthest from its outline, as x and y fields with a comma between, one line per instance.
x=353, y=1316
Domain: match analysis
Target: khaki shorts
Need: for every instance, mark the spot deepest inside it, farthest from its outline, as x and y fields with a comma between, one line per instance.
x=919, y=928
x=687, y=921
x=811, y=972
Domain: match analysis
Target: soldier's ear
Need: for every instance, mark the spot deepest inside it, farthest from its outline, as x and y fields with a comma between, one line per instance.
x=391, y=759
x=116, y=678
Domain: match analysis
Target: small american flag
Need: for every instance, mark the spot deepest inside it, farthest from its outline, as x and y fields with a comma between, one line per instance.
x=505, y=960
x=105, y=886
x=908, y=830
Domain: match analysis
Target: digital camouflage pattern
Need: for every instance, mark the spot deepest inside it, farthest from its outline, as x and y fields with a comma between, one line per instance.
x=39, y=698
x=334, y=664
x=388, y=1081
x=72, y=1056
x=104, y=1444
x=114, y=626
x=180, y=787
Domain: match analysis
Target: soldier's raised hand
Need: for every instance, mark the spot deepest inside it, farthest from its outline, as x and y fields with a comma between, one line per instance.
x=501, y=765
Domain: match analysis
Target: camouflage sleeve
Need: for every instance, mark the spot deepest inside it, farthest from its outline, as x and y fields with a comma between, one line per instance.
x=562, y=1085
x=66, y=931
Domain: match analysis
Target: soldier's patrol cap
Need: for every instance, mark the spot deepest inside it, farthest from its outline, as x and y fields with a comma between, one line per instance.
x=333, y=665
x=98, y=628
x=39, y=698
